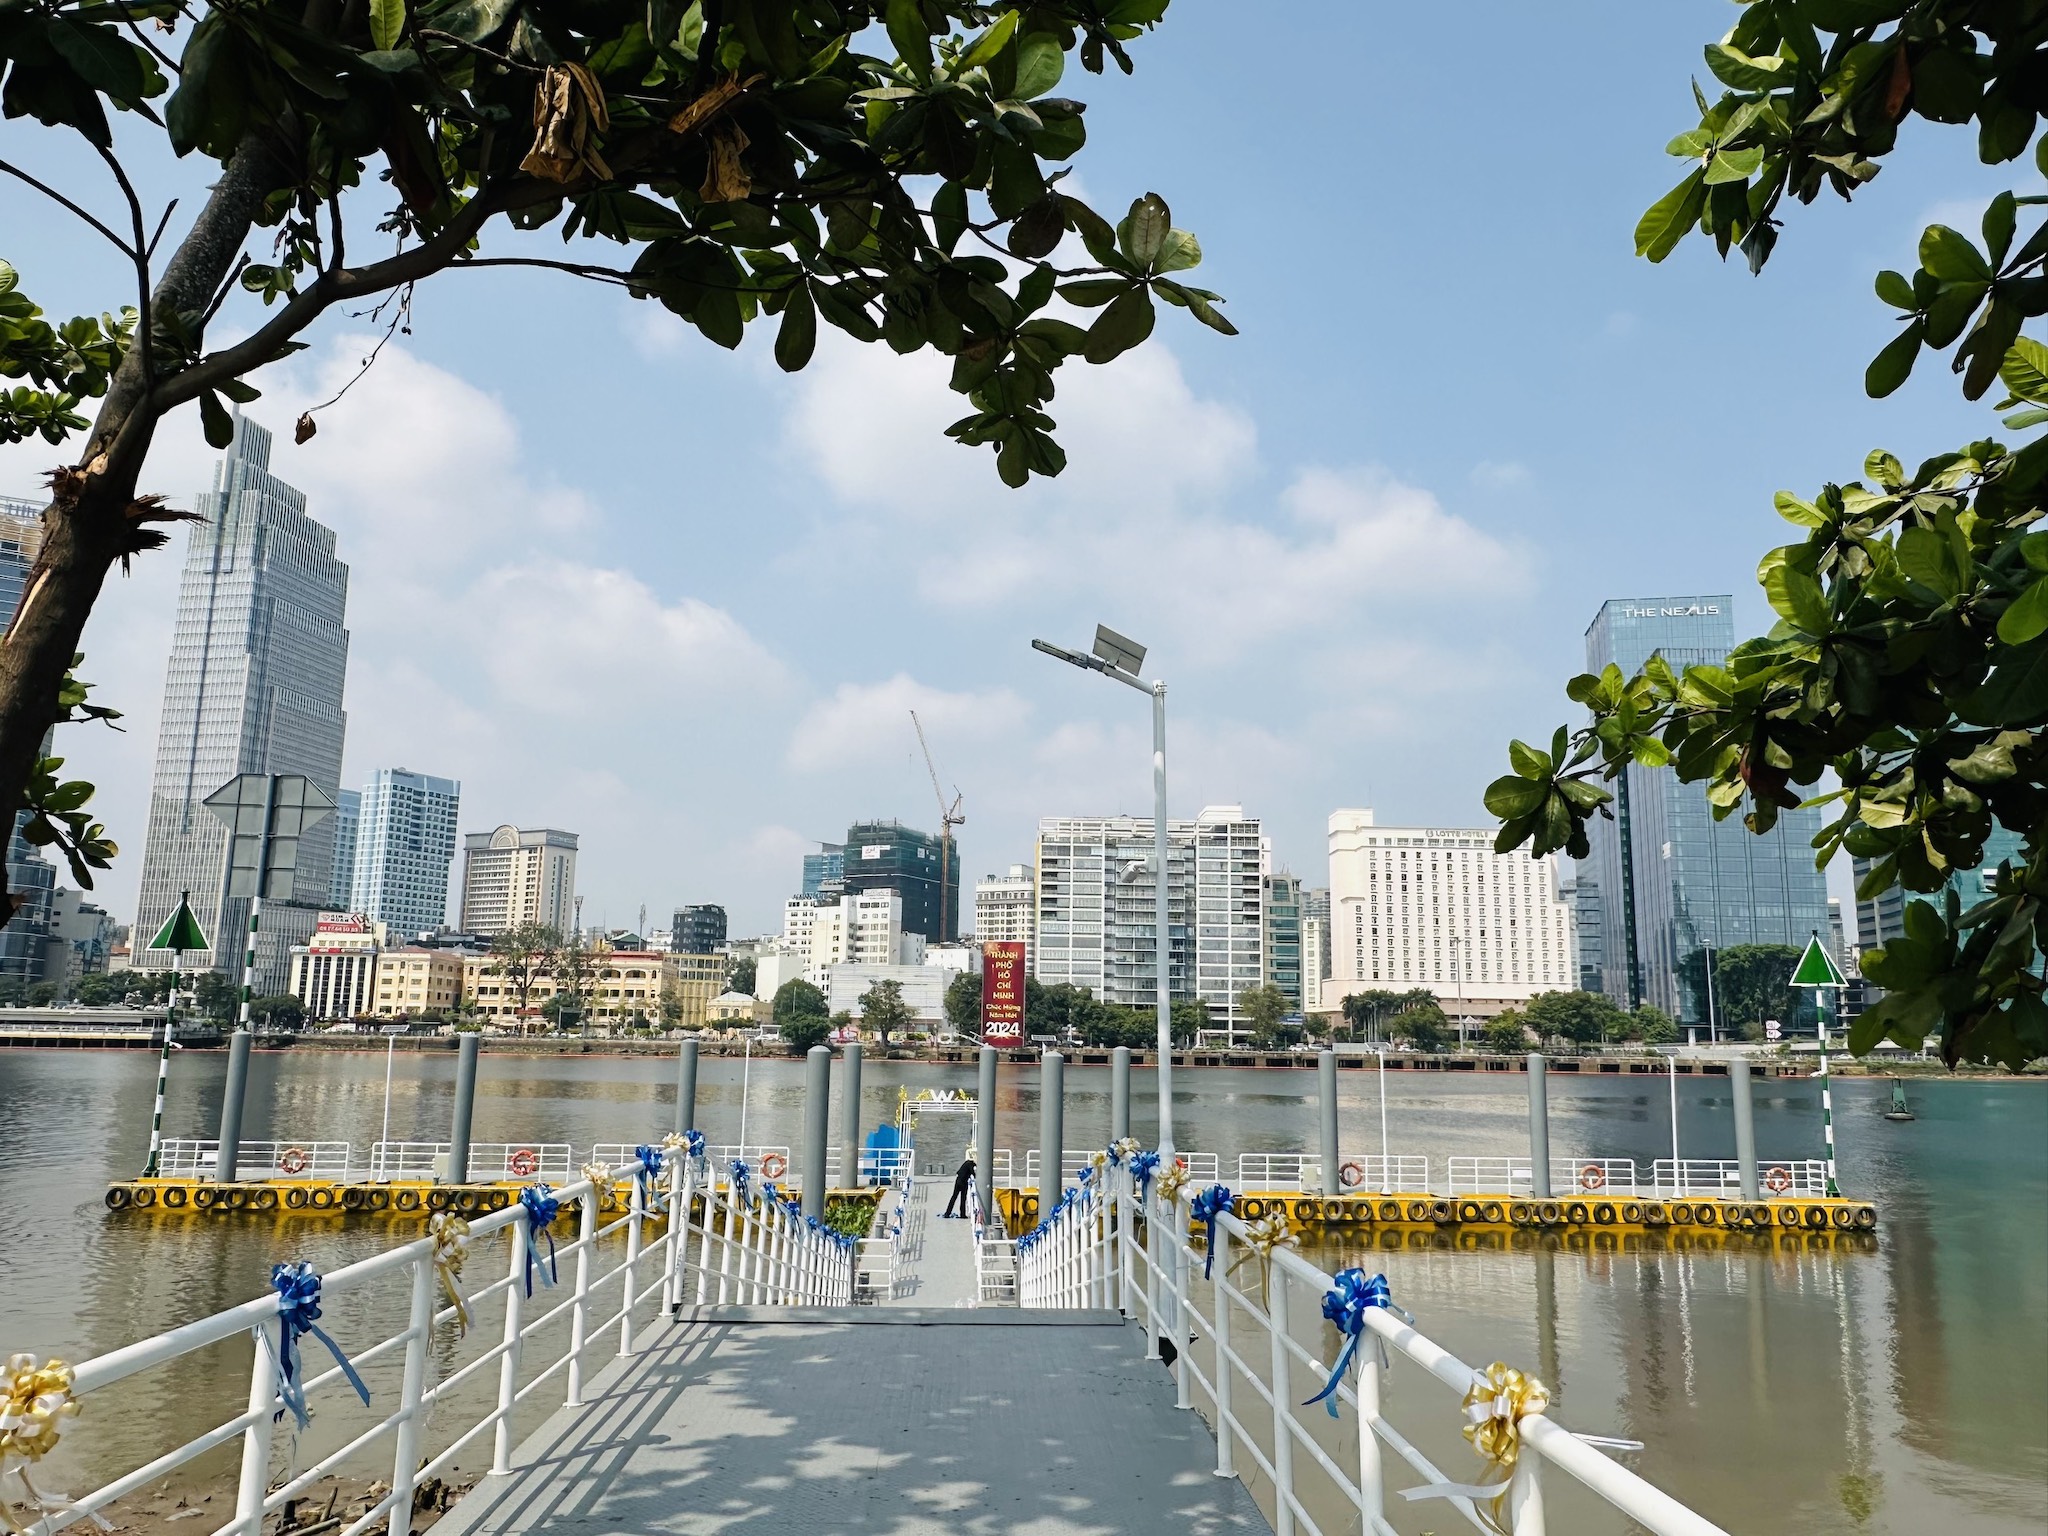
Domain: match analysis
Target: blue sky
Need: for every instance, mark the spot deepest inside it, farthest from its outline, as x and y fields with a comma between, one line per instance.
x=617, y=580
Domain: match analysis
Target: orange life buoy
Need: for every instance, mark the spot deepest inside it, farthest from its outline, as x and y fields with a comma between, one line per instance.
x=774, y=1166
x=524, y=1163
x=1592, y=1176
x=293, y=1160
x=1778, y=1180
x=1351, y=1175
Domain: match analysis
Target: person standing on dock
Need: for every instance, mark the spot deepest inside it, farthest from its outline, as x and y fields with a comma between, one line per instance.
x=962, y=1177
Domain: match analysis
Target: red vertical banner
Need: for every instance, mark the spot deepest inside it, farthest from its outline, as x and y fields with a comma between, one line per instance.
x=1002, y=993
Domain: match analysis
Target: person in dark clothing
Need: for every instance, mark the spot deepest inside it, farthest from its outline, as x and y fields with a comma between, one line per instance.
x=961, y=1179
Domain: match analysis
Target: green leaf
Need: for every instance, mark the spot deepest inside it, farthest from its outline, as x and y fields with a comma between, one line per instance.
x=1528, y=762
x=949, y=215
x=1665, y=223
x=1142, y=235
x=1511, y=796
x=1950, y=256
x=1734, y=165
x=1180, y=252
x=1125, y=323
x=1890, y=368
x=912, y=39
x=1999, y=221
x=219, y=426
x=1885, y=469
x=2027, y=617
x=1793, y=510
x=1797, y=596
x=1893, y=288
x=2025, y=370
x=989, y=44
x=2014, y=695
x=1092, y=292
x=798, y=334
x=1040, y=62
x=1734, y=68
x=387, y=22
x=2034, y=550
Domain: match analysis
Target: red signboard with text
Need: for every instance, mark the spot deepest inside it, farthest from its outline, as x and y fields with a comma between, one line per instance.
x=1002, y=993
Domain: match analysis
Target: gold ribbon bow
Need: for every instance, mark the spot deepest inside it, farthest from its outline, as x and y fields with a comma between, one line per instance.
x=1170, y=1181
x=451, y=1247
x=1495, y=1406
x=35, y=1405
x=1262, y=1239
x=600, y=1178
x=674, y=1144
x=1097, y=1161
x=1127, y=1149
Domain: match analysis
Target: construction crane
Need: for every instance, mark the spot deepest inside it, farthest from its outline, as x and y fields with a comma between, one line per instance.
x=949, y=818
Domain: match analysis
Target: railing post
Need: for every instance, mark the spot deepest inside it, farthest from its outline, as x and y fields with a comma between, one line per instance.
x=1127, y=1235
x=1283, y=1407
x=725, y=1265
x=508, y=1365
x=579, y=1309
x=1226, y=1463
x=704, y=1243
x=636, y=1209
x=1183, y=1279
x=1525, y=1497
x=682, y=1194
x=255, y=1479
x=405, y=1458
x=1371, y=1478
x=1153, y=1223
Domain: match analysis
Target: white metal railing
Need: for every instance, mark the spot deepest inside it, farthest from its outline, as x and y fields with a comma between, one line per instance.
x=1000, y=1175
x=1383, y=1175
x=488, y=1160
x=1279, y=1170
x=1795, y=1178
x=1570, y=1177
x=1204, y=1168
x=738, y=1247
x=1252, y=1352
x=1065, y=1260
x=190, y=1157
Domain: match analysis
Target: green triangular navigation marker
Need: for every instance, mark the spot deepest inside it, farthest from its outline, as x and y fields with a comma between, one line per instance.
x=182, y=931
x=1817, y=968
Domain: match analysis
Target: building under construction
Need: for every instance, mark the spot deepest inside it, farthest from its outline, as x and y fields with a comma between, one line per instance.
x=922, y=869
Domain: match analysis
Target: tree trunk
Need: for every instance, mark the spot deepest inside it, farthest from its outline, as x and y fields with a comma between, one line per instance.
x=90, y=521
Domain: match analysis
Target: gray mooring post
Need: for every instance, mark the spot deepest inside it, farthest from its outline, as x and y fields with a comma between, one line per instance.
x=985, y=1132
x=1052, y=1128
x=817, y=1118
x=686, y=1086
x=465, y=1108
x=1745, y=1126
x=1539, y=1129
x=849, y=1116
x=1120, y=1093
x=231, y=1107
x=1326, y=1094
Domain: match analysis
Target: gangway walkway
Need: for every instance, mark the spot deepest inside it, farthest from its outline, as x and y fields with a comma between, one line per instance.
x=935, y=1254
x=912, y=1422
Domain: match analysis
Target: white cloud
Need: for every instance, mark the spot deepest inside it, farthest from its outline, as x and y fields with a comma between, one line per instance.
x=866, y=722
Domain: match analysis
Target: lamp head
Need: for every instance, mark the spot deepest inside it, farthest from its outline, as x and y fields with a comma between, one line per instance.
x=1121, y=652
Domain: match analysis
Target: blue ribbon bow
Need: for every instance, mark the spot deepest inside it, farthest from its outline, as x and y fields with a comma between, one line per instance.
x=540, y=1205
x=694, y=1148
x=298, y=1312
x=1116, y=1158
x=1206, y=1207
x=740, y=1175
x=649, y=1172
x=1344, y=1304
x=1143, y=1166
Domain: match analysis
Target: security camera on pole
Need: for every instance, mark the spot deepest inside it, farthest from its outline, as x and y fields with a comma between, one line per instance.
x=1817, y=969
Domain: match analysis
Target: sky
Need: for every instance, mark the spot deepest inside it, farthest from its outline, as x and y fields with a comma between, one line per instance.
x=617, y=580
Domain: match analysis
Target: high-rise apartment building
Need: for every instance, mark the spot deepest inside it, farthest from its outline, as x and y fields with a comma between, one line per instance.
x=1668, y=881
x=30, y=876
x=1005, y=909
x=698, y=930
x=254, y=685
x=922, y=869
x=515, y=875
x=828, y=864
x=1436, y=907
x=861, y=928
x=1315, y=947
x=405, y=845
x=1096, y=920
x=348, y=816
x=1285, y=948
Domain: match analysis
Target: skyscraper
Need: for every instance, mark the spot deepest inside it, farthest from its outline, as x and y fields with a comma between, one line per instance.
x=348, y=812
x=1285, y=951
x=30, y=876
x=1668, y=881
x=518, y=875
x=404, y=847
x=1006, y=908
x=254, y=685
x=827, y=864
x=888, y=856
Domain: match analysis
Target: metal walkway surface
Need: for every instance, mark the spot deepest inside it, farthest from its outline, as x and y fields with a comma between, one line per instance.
x=935, y=1255
x=928, y=1422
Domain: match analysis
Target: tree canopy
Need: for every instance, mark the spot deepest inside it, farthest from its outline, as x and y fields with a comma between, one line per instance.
x=1909, y=661
x=897, y=170
x=883, y=1010
x=1584, y=1018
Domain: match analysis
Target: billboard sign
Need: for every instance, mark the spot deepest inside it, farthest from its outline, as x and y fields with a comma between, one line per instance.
x=1002, y=993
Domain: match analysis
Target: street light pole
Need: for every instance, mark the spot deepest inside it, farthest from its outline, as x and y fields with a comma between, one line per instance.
x=1116, y=657
x=1713, y=1032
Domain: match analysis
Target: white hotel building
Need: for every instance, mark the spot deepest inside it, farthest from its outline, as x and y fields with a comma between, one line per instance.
x=1436, y=907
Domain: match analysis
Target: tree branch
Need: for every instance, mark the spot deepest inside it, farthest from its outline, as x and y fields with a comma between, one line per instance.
x=54, y=195
x=139, y=255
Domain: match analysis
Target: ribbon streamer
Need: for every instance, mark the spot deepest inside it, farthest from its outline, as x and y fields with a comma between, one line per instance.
x=649, y=1175
x=740, y=1175
x=1206, y=1207
x=1495, y=1405
x=451, y=1247
x=298, y=1313
x=1344, y=1305
x=540, y=1205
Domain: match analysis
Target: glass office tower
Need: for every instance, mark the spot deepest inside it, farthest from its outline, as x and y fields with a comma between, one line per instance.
x=31, y=877
x=1664, y=881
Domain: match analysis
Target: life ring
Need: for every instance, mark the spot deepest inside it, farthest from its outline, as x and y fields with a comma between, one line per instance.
x=1351, y=1175
x=524, y=1163
x=293, y=1161
x=774, y=1166
x=1778, y=1180
x=1592, y=1176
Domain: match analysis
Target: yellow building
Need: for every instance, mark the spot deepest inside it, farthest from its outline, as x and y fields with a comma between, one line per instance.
x=618, y=986
x=413, y=981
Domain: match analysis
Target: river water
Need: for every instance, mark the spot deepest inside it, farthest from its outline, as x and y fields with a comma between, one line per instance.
x=1895, y=1386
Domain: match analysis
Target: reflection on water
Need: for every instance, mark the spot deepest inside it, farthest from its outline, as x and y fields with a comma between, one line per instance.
x=1782, y=1384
